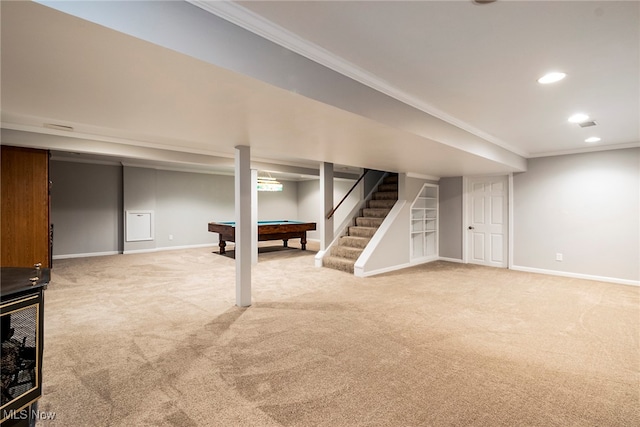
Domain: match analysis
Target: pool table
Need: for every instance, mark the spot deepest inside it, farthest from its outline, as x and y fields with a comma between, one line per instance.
x=267, y=230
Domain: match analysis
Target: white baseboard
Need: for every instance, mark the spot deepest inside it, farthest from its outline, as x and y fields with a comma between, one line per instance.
x=576, y=275
x=169, y=248
x=90, y=254
x=135, y=251
x=423, y=260
x=359, y=273
x=451, y=260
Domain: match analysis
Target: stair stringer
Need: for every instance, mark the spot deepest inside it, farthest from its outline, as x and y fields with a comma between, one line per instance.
x=349, y=221
x=388, y=249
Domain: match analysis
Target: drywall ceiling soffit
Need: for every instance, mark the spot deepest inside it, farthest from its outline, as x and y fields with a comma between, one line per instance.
x=137, y=93
x=99, y=152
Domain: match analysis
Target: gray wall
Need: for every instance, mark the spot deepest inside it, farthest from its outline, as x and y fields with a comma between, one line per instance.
x=184, y=202
x=275, y=205
x=585, y=206
x=139, y=193
x=89, y=201
x=451, y=217
x=308, y=202
x=371, y=180
x=86, y=208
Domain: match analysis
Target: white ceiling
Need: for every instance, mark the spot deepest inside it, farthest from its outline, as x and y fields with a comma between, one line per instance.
x=478, y=64
x=472, y=66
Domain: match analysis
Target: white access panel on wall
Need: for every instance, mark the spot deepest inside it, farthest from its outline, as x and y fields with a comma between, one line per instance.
x=139, y=226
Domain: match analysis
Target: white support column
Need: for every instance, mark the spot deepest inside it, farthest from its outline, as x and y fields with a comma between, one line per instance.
x=326, y=195
x=402, y=186
x=254, y=216
x=244, y=243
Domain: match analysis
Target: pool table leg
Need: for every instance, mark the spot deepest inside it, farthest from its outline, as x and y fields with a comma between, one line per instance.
x=222, y=244
x=303, y=241
x=285, y=243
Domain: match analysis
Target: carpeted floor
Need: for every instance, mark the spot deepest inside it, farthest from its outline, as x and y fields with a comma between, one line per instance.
x=155, y=340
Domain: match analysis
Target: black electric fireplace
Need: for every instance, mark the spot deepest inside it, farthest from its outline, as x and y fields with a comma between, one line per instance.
x=21, y=314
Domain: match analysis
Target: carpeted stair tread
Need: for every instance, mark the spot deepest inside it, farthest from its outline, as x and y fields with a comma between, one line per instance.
x=354, y=241
x=388, y=187
x=381, y=204
x=375, y=212
x=385, y=195
x=390, y=179
x=362, y=231
x=347, y=252
x=368, y=222
x=342, y=264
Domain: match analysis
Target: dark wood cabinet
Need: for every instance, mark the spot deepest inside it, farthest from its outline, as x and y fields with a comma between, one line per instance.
x=25, y=233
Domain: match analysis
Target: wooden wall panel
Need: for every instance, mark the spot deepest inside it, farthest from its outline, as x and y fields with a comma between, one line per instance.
x=24, y=212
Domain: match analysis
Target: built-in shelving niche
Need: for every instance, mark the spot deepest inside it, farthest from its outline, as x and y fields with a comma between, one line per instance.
x=424, y=224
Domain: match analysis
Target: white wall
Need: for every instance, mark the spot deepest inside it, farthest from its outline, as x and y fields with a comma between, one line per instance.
x=309, y=202
x=585, y=206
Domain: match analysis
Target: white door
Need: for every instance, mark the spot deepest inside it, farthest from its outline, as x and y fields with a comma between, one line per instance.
x=487, y=221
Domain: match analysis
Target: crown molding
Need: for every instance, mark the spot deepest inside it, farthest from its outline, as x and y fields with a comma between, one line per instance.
x=586, y=150
x=250, y=21
x=58, y=157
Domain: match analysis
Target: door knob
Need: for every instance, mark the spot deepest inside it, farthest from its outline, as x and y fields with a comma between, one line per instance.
x=471, y=227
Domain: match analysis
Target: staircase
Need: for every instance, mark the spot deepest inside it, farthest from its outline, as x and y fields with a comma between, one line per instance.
x=344, y=254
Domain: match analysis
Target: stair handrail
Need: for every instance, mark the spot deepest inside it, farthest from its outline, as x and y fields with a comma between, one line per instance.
x=347, y=195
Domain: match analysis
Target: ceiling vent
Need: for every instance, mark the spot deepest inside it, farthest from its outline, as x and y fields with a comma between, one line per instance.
x=587, y=124
x=58, y=127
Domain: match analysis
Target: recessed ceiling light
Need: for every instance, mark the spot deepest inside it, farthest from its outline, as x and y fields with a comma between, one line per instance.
x=552, y=77
x=592, y=139
x=578, y=118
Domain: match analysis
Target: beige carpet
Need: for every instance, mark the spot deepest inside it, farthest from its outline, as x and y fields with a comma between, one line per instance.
x=155, y=340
